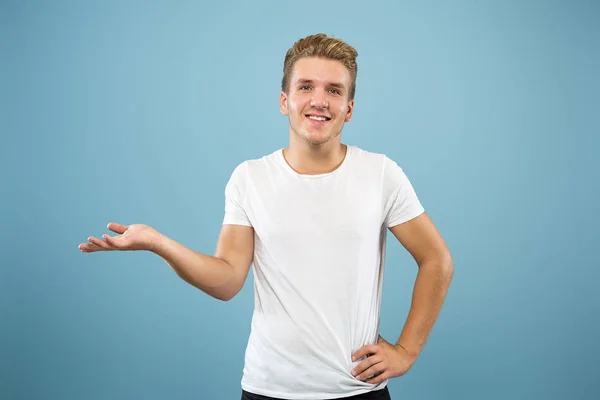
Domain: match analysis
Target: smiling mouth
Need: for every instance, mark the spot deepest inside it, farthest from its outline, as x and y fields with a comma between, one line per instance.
x=321, y=118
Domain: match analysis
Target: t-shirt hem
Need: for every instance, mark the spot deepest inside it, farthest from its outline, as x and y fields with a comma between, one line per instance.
x=405, y=218
x=313, y=396
x=232, y=221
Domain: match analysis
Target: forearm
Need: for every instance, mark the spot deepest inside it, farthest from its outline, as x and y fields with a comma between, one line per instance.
x=431, y=286
x=210, y=274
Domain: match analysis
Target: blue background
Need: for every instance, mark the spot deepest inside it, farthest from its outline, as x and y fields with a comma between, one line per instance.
x=137, y=112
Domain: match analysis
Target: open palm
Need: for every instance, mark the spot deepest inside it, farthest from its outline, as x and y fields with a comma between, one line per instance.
x=131, y=237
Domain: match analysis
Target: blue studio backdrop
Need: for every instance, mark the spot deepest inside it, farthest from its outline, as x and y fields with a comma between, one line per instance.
x=137, y=112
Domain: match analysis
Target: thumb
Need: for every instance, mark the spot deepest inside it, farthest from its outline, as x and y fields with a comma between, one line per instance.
x=118, y=228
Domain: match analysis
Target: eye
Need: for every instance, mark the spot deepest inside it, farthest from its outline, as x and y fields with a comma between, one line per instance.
x=334, y=91
x=304, y=87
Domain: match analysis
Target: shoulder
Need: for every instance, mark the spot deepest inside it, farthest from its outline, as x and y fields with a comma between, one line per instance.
x=388, y=171
x=256, y=166
x=383, y=162
x=364, y=155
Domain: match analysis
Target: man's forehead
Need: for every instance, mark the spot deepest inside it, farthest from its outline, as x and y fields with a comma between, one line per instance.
x=320, y=71
x=305, y=81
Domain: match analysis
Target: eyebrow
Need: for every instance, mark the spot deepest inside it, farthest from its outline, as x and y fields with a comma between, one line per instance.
x=310, y=81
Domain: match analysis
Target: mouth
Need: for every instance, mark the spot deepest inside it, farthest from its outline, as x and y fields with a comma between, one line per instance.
x=318, y=118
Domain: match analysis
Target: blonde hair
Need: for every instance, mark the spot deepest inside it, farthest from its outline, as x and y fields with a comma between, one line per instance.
x=321, y=45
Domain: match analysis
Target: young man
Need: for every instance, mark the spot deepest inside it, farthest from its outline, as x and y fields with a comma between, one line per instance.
x=312, y=220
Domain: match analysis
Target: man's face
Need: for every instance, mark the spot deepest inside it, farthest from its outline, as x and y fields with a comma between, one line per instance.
x=317, y=103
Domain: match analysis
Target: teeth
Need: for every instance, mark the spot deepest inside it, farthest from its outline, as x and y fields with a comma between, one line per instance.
x=317, y=118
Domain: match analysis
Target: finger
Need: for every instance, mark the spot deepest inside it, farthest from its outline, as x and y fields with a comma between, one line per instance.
x=364, y=351
x=100, y=243
x=89, y=248
x=115, y=242
x=118, y=228
x=370, y=372
x=364, y=366
x=379, y=378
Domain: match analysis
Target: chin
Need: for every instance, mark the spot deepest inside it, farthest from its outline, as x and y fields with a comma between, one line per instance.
x=318, y=139
x=315, y=138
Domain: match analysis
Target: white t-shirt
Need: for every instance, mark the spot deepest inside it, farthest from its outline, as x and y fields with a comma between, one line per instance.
x=318, y=268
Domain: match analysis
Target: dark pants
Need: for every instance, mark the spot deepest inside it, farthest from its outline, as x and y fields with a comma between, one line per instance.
x=381, y=394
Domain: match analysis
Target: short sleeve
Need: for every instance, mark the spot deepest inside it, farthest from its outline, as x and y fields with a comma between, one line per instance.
x=235, y=214
x=402, y=203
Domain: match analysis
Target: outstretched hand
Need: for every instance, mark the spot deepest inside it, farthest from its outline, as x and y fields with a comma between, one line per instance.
x=383, y=361
x=132, y=237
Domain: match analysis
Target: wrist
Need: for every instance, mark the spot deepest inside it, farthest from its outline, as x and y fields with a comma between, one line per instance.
x=408, y=351
x=158, y=244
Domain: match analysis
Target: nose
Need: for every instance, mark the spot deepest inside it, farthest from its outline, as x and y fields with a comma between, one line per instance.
x=319, y=100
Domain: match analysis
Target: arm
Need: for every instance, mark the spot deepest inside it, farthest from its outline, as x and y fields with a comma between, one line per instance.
x=423, y=241
x=221, y=276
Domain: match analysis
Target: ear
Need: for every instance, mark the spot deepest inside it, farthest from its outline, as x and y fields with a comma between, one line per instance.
x=350, y=109
x=283, y=107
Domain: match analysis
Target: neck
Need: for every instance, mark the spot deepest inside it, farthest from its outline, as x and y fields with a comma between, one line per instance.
x=314, y=160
